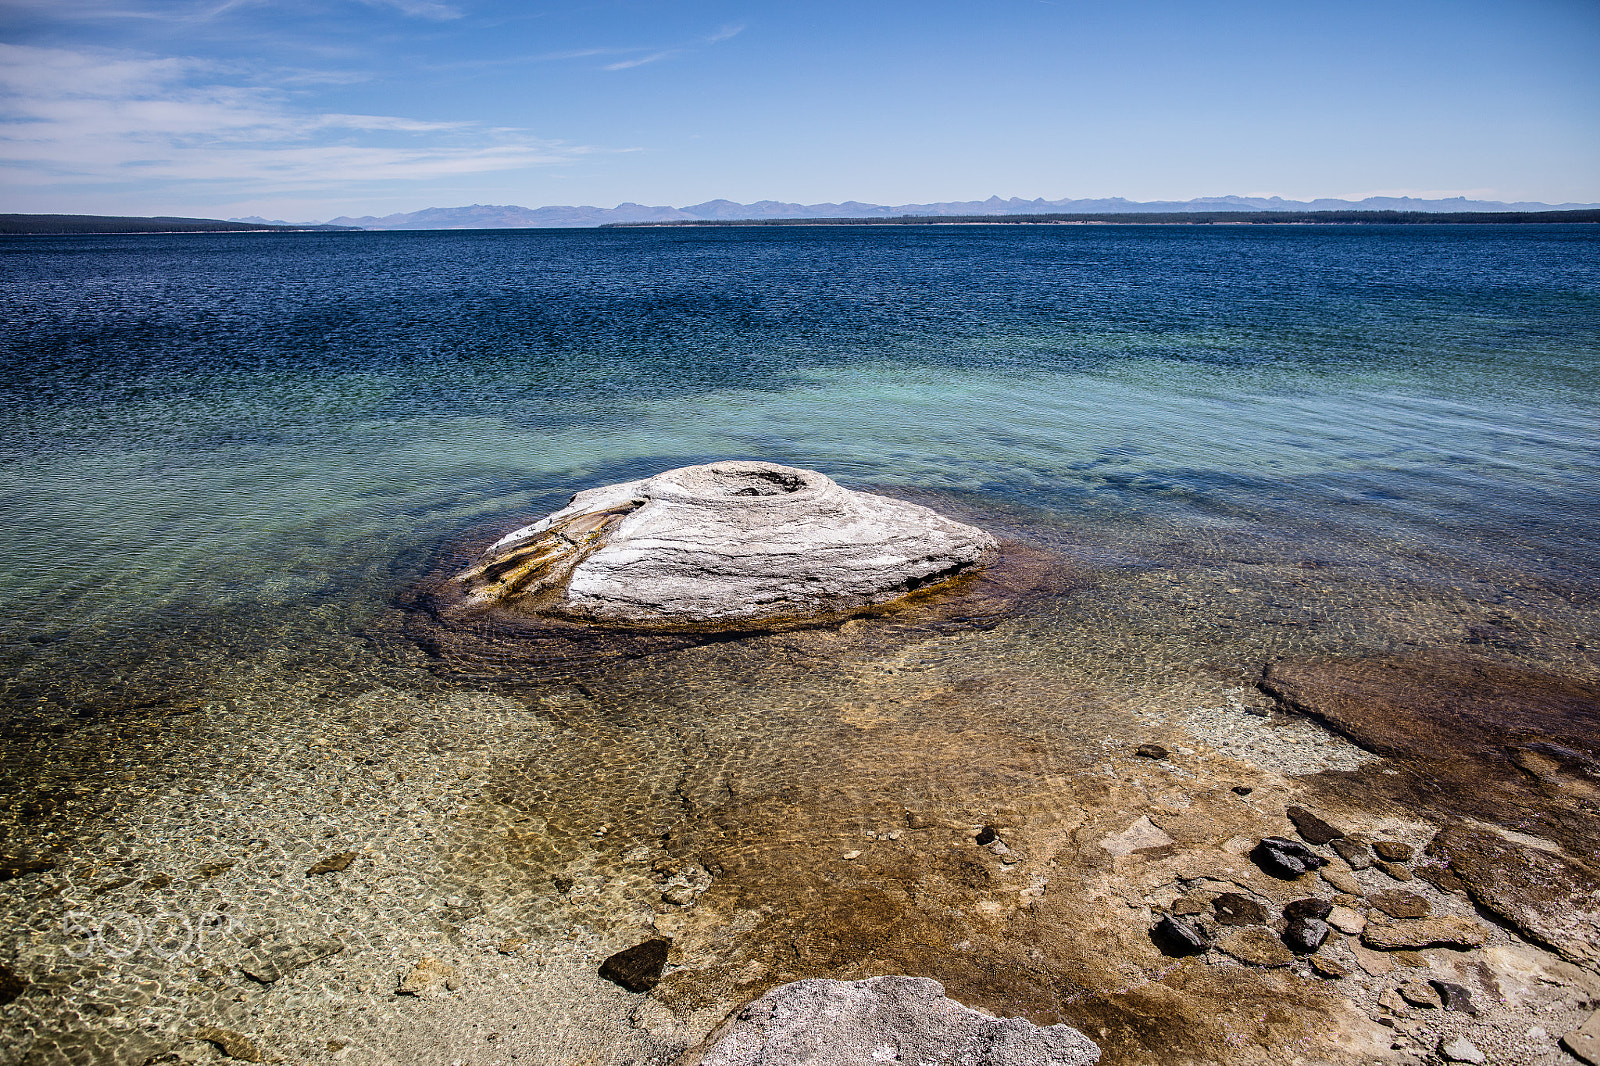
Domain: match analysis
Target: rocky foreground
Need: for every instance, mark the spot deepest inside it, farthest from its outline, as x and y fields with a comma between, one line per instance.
x=1177, y=831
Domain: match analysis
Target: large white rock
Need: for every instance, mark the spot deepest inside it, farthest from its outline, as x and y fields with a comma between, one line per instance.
x=884, y=1019
x=729, y=542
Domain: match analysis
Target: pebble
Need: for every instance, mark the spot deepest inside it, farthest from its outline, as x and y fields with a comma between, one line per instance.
x=1242, y=790
x=1328, y=968
x=1395, y=870
x=1460, y=1049
x=1256, y=947
x=1178, y=938
x=638, y=969
x=1233, y=908
x=427, y=974
x=1400, y=904
x=1346, y=920
x=987, y=835
x=1454, y=997
x=1343, y=881
x=1419, y=994
x=1152, y=751
x=1310, y=907
x=1305, y=935
x=1285, y=858
x=1353, y=852
x=1392, y=851
x=331, y=864
x=1311, y=828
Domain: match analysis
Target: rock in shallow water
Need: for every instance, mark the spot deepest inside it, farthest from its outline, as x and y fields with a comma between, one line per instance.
x=884, y=1019
x=729, y=542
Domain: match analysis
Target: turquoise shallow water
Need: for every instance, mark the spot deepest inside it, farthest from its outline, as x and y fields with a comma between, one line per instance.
x=224, y=434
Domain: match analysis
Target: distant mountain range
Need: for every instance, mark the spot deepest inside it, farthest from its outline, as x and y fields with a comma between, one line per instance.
x=484, y=216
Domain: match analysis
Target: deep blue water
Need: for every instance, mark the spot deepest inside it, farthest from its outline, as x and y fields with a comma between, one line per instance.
x=264, y=423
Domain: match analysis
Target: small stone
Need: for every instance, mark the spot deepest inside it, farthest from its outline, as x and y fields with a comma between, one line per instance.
x=511, y=945
x=332, y=864
x=1353, y=852
x=1310, y=907
x=232, y=1044
x=1342, y=880
x=1151, y=751
x=1460, y=1049
x=1256, y=947
x=986, y=836
x=424, y=976
x=157, y=882
x=638, y=969
x=1584, y=1041
x=1376, y=963
x=1305, y=935
x=1454, y=997
x=847, y=855
x=1233, y=908
x=1242, y=790
x=1328, y=968
x=11, y=984
x=1392, y=851
x=1284, y=858
x=1419, y=994
x=1395, y=870
x=1311, y=828
x=1401, y=904
x=1416, y=960
x=14, y=867
x=1174, y=937
x=1423, y=933
x=1347, y=920
x=452, y=983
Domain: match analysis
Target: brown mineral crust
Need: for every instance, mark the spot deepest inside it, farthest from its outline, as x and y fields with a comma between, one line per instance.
x=488, y=642
x=1461, y=730
x=1551, y=899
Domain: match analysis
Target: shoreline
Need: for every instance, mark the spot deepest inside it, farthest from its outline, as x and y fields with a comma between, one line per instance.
x=810, y=800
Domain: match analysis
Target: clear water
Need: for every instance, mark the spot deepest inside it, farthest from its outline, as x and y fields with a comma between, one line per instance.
x=203, y=424
x=227, y=458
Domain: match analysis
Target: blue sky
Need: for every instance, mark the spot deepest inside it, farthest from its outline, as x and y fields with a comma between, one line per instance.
x=312, y=109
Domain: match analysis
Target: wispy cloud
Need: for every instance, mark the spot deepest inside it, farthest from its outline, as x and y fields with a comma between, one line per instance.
x=70, y=117
x=419, y=8
x=637, y=61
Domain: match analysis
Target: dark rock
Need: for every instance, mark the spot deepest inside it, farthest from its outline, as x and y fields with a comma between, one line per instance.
x=1152, y=751
x=986, y=836
x=1232, y=908
x=1242, y=790
x=1285, y=859
x=157, y=881
x=11, y=868
x=1178, y=938
x=1305, y=935
x=638, y=969
x=11, y=985
x=207, y=870
x=1310, y=907
x=1454, y=996
x=563, y=885
x=1392, y=851
x=332, y=864
x=1313, y=829
x=1401, y=904
x=1353, y=852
